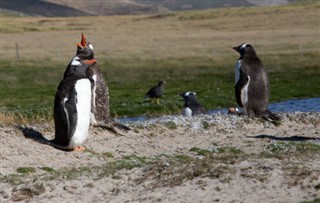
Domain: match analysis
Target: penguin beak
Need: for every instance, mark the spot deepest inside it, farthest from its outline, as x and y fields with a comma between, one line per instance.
x=83, y=41
x=236, y=48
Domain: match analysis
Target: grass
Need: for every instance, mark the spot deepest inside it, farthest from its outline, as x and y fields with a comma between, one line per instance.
x=191, y=51
x=280, y=150
x=26, y=170
x=222, y=150
x=317, y=200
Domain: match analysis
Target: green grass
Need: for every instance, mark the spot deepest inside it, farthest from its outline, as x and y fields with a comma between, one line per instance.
x=28, y=87
x=317, y=200
x=280, y=150
x=26, y=170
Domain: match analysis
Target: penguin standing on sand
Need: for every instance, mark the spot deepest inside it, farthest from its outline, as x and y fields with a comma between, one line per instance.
x=156, y=92
x=252, y=83
x=191, y=105
x=100, y=112
x=72, y=107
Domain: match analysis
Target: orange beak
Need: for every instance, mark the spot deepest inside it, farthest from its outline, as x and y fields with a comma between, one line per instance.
x=83, y=41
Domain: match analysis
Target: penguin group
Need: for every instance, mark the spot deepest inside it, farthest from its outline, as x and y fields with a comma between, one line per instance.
x=82, y=97
x=252, y=88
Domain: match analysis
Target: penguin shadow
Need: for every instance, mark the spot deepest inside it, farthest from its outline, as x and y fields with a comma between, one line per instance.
x=36, y=136
x=295, y=138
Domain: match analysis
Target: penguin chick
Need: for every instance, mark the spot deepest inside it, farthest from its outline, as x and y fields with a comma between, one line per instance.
x=100, y=105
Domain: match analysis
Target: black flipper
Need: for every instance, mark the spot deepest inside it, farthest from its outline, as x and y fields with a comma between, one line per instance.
x=71, y=111
x=243, y=80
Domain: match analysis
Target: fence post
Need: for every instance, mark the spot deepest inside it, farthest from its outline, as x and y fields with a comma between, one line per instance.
x=17, y=53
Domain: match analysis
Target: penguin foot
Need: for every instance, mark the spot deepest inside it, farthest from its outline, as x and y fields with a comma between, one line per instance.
x=234, y=110
x=79, y=148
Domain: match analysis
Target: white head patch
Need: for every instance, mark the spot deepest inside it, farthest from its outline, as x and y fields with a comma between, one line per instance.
x=90, y=46
x=75, y=61
x=188, y=93
x=243, y=45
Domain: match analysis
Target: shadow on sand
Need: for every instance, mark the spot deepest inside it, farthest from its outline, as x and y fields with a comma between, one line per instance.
x=30, y=133
x=34, y=135
x=294, y=138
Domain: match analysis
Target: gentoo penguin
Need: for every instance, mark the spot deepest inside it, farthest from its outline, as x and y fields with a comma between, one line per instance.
x=156, y=92
x=191, y=105
x=72, y=106
x=252, y=83
x=100, y=112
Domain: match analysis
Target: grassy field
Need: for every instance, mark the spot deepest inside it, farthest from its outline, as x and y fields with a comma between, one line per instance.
x=190, y=50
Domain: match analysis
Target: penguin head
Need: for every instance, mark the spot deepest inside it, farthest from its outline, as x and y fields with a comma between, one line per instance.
x=245, y=49
x=85, y=49
x=189, y=98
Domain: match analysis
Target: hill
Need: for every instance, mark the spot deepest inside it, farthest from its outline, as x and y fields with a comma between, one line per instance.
x=177, y=5
x=39, y=8
x=119, y=7
x=67, y=8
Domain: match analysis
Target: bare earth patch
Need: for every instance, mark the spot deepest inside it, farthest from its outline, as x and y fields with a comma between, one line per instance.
x=219, y=158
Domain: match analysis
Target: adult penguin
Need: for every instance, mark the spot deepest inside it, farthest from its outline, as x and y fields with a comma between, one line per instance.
x=252, y=83
x=100, y=111
x=72, y=106
x=191, y=105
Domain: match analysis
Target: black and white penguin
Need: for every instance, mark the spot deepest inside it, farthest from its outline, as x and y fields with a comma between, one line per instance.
x=72, y=107
x=191, y=105
x=252, y=83
x=100, y=111
x=155, y=93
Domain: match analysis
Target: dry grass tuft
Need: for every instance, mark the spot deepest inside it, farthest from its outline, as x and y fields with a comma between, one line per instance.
x=7, y=118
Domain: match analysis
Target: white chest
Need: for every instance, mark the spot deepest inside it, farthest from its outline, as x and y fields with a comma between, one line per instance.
x=83, y=105
x=244, y=95
x=93, y=103
x=187, y=112
x=237, y=71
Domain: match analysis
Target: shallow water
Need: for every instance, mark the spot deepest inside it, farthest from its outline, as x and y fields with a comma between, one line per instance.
x=301, y=105
x=293, y=105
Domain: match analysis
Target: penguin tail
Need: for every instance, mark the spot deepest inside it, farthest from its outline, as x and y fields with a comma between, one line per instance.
x=113, y=126
x=272, y=117
x=120, y=126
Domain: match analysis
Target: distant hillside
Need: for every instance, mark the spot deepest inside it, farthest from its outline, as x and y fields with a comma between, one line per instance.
x=177, y=5
x=118, y=7
x=39, y=8
x=65, y=8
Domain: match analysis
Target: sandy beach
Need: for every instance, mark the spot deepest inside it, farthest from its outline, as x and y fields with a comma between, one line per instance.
x=207, y=158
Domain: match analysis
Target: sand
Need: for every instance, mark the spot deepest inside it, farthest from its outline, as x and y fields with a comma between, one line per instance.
x=208, y=158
